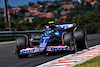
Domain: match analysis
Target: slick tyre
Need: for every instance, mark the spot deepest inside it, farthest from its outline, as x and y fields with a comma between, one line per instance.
x=81, y=39
x=69, y=40
x=21, y=44
x=68, y=37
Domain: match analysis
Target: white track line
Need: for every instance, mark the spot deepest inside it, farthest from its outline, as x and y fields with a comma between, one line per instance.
x=73, y=58
x=56, y=60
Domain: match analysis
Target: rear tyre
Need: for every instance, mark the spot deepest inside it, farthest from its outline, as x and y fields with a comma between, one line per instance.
x=68, y=38
x=81, y=39
x=21, y=44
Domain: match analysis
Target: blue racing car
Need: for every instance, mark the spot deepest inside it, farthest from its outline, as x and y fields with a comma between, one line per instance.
x=53, y=38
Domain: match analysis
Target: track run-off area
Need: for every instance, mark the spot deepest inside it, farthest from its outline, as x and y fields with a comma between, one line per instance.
x=9, y=59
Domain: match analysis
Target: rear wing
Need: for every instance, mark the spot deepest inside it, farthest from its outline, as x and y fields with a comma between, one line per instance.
x=65, y=26
x=61, y=27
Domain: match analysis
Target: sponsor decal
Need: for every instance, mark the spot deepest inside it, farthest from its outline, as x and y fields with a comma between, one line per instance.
x=58, y=48
x=23, y=51
x=43, y=43
x=41, y=48
x=46, y=37
x=63, y=27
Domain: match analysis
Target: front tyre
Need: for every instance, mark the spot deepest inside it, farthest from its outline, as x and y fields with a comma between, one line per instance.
x=21, y=44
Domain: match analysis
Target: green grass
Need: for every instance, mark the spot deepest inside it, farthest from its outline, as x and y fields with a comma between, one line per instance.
x=95, y=62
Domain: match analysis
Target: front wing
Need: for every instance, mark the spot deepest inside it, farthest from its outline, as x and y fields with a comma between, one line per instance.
x=49, y=48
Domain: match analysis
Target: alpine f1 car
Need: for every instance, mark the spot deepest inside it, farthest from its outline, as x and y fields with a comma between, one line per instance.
x=53, y=38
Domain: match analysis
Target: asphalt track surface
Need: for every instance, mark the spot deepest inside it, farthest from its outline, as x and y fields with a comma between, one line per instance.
x=9, y=59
